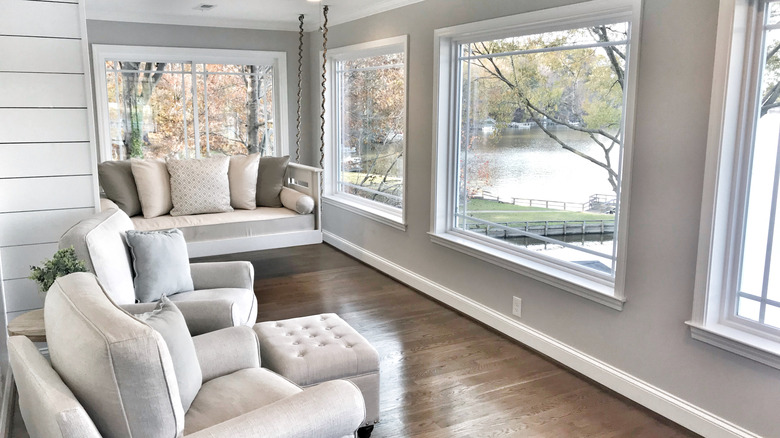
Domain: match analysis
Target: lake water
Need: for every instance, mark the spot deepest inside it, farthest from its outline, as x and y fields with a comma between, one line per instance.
x=527, y=163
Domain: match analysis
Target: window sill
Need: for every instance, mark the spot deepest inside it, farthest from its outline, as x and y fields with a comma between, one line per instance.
x=739, y=342
x=367, y=211
x=562, y=279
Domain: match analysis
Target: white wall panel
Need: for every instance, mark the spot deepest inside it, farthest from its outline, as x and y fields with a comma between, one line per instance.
x=43, y=125
x=21, y=17
x=44, y=159
x=16, y=260
x=38, y=226
x=21, y=294
x=48, y=193
x=25, y=54
x=31, y=90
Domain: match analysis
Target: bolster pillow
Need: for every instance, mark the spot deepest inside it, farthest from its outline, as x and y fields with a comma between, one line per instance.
x=297, y=201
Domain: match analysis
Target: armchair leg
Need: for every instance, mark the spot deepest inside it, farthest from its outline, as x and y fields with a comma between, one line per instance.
x=365, y=431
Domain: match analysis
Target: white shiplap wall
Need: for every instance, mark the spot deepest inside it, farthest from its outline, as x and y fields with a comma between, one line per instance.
x=47, y=153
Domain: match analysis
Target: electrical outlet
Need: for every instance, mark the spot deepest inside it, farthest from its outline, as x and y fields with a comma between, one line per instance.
x=516, y=306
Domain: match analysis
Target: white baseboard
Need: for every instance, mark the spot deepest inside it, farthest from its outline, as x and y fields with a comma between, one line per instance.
x=668, y=405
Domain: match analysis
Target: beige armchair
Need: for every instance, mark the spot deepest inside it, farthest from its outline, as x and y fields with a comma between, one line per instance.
x=111, y=375
x=223, y=295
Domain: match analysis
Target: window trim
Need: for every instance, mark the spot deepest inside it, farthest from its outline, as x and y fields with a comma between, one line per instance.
x=370, y=209
x=104, y=52
x=444, y=172
x=724, y=191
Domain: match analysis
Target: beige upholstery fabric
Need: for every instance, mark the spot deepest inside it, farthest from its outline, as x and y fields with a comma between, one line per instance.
x=118, y=367
x=296, y=201
x=318, y=348
x=99, y=241
x=154, y=186
x=302, y=415
x=244, y=301
x=199, y=185
x=201, y=316
x=239, y=223
x=243, y=181
x=235, y=394
x=48, y=407
x=226, y=351
x=291, y=347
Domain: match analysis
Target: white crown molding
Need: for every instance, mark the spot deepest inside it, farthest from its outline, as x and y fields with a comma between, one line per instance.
x=654, y=398
x=186, y=20
x=337, y=15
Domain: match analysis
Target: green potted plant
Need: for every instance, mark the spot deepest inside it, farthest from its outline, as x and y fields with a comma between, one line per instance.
x=63, y=262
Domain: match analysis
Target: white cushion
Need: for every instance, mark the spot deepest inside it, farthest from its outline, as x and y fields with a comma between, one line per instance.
x=243, y=181
x=200, y=186
x=154, y=186
x=297, y=201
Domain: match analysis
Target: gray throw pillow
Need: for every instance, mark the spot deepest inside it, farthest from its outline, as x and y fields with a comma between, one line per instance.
x=170, y=323
x=116, y=178
x=160, y=262
x=270, y=179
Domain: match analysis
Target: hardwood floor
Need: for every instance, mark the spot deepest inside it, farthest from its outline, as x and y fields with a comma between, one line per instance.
x=442, y=374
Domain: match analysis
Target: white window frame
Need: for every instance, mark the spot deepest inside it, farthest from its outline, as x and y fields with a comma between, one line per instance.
x=729, y=143
x=102, y=53
x=607, y=292
x=377, y=211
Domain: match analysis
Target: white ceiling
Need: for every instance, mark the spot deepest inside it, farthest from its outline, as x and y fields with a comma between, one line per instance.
x=251, y=14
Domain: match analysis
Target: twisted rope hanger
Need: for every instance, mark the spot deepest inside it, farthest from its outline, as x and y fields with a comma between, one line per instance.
x=300, y=73
x=322, y=102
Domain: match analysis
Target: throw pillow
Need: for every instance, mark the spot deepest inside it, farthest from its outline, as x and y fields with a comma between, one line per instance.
x=169, y=322
x=296, y=201
x=242, y=175
x=160, y=262
x=116, y=179
x=200, y=185
x=270, y=180
x=154, y=187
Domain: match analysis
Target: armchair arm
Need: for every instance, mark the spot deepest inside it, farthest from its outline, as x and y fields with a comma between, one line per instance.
x=329, y=410
x=201, y=316
x=225, y=351
x=216, y=275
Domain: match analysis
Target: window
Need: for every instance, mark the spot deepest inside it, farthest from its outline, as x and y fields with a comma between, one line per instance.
x=533, y=141
x=367, y=129
x=159, y=103
x=737, y=301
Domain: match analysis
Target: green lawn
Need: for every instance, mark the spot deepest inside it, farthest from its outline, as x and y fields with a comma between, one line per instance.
x=495, y=211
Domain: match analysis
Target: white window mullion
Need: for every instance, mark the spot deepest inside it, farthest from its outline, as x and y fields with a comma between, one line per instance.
x=195, y=115
x=206, y=108
x=184, y=114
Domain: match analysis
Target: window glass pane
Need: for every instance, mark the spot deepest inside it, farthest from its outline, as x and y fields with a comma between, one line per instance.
x=772, y=316
x=371, y=97
x=747, y=308
x=240, y=109
x=152, y=112
x=773, y=16
x=540, y=141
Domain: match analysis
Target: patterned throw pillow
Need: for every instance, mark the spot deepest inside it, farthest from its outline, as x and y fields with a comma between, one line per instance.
x=200, y=186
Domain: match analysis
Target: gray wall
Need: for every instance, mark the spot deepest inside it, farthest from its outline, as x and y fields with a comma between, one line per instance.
x=649, y=338
x=137, y=34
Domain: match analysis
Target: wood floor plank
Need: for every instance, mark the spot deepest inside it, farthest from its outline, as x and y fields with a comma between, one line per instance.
x=443, y=374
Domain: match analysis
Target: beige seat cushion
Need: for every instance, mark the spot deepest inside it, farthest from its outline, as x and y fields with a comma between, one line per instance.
x=244, y=302
x=229, y=396
x=239, y=223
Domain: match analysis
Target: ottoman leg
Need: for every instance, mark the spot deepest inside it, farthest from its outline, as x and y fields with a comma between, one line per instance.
x=365, y=431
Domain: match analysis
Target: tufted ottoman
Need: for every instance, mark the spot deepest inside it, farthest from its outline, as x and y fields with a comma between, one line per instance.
x=318, y=348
